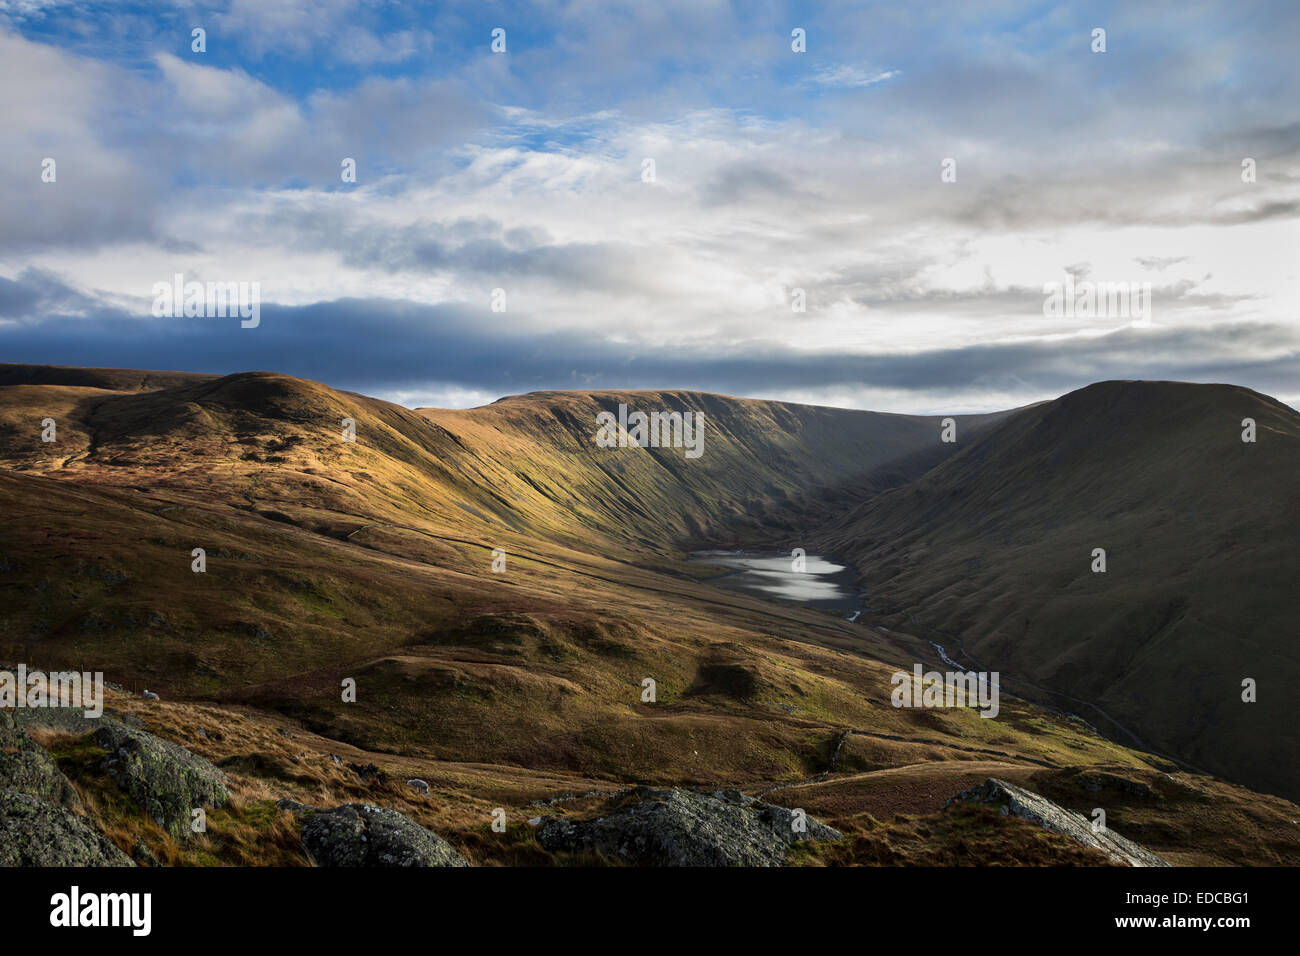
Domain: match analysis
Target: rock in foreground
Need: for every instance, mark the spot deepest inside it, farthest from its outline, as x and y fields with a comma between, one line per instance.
x=359, y=835
x=1019, y=802
x=649, y=827
x=36, y=826
x=35, y=832
x=166, y=780
x=27, y=768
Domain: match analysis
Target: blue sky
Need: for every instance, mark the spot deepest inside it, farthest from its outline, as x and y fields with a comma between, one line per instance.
x=775, y=171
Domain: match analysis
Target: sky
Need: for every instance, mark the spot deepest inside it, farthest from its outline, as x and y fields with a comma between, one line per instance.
x=918, y=176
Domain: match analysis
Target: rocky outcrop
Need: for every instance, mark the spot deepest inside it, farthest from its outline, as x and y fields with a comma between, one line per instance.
x=359, y=835
x=165, y=779
x=1019, y=802
x=26, y=768
x=37, y=826
x=644, y=826
x=35, y=832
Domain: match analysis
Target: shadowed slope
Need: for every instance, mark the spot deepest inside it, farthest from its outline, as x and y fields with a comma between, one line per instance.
x=994, y=547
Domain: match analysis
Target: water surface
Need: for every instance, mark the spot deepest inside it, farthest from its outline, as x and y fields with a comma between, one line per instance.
x=822, y=583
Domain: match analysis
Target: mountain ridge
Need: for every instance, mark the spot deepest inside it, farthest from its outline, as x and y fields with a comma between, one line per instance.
x=995, y=544
x=374, y=561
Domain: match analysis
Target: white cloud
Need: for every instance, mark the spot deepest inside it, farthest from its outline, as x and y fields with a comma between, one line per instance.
x=213, y=172
x=851, y=77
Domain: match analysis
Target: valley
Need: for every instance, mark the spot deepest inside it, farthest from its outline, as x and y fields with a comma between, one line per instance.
x=499, y=586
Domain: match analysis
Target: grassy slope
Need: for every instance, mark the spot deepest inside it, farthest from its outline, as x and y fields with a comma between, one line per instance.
x=372, y=560
x=768, y=468
x=995, y=544
x=893, y=815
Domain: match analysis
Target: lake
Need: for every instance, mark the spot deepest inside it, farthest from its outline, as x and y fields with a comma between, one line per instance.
x=821, y=584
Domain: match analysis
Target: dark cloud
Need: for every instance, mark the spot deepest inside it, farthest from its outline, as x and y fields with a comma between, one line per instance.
x=37, y=293
x=382, y=346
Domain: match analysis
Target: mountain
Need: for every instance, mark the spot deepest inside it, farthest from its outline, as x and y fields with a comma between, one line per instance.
x=994, y=548
x=373, y=560
x=526, y=464
x=378, y=561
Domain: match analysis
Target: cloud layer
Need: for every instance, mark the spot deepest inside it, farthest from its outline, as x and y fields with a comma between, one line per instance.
x=778, y=178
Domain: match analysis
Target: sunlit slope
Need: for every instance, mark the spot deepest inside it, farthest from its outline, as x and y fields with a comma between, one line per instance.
x=373, y=559
x=765, y=468
x=527, y=465
x=540, y=667
x=995, y=546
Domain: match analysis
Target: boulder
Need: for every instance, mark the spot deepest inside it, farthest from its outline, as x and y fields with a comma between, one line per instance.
x=142, y=855
x=25, y=767
x=1019, y=802
x=35, y=832
x=644, y=826
x=165, y=779
x=356, y=834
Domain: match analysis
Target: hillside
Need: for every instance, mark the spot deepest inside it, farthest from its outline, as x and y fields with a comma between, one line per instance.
x=994, y=548
x=526, y=464
x=373, y=560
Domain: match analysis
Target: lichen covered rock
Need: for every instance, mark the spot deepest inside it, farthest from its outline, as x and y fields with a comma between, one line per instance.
x=26, y=768
x=356, y=834
x=36, y=832
x=165, y=779
x=645, y=826
x=1019, y=802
